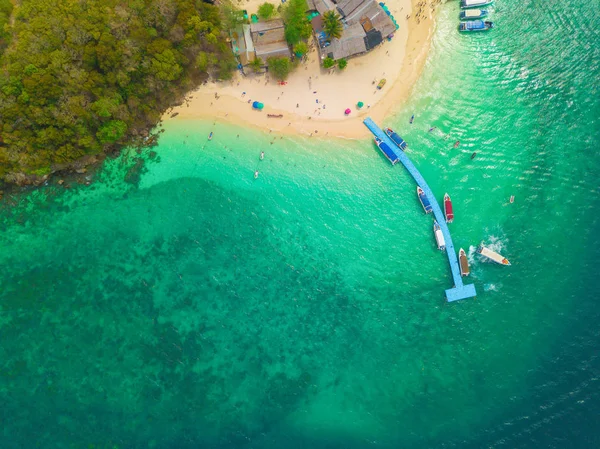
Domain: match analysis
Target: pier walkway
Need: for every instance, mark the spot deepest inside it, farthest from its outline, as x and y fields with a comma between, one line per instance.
x=459, y=291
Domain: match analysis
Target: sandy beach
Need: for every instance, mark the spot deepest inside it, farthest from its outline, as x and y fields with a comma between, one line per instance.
x=314, y=99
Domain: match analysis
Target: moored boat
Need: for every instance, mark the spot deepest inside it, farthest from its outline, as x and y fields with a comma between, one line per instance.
x=396, y=138
x=465, y=4
x=474, y=26
x=492, y=255
x=210, y=136
x=386, y=150
x=473, y=14
x=381, y=84
x=412, y=119
x=424, y=200
x=439, y=236
x=464, y=263
x=448, y=209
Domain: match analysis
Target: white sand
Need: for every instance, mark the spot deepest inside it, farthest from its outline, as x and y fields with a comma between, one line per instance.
x=399, y=61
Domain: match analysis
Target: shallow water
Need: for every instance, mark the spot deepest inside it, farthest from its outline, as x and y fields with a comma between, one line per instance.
x=200, y=307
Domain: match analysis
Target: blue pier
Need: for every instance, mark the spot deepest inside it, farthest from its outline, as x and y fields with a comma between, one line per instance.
x=459, y=291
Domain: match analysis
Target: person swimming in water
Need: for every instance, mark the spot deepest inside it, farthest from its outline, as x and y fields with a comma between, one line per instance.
x=432, y=128
x=456, y=144
x=262, y=155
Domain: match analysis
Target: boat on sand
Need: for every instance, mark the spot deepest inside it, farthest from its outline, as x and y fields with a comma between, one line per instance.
x=448, y=209
x=439, y=236
x=424, y=200
x=464, y=263
x=492, y=255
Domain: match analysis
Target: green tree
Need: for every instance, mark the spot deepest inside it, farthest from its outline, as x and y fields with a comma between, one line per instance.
x=297, y=26
x=280, y=67
x=78, y=78
x=266, y=10
x=301, y=48
x=256, y=64
x=328, y=62
x=111, y=131
x=332, y=24
x=342, y=63
x=232, y=16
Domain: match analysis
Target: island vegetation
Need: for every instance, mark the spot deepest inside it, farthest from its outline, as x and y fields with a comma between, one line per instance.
x=82, y=78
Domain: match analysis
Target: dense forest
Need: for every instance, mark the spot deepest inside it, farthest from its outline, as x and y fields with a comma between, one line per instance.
x=79, y=77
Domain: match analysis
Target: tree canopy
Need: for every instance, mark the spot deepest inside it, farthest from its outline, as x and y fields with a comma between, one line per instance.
x=266, y=10
x=280, y=67
x=297, y=26
x=332, y=24
x=328, y=62
x=79, y=77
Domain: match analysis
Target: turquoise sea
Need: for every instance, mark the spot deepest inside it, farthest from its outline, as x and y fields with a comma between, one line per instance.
x=177, y=302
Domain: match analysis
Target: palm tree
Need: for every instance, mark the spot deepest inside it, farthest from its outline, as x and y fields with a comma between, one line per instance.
x=332, y=25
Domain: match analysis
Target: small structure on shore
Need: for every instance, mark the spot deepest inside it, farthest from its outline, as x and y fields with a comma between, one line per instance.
x=269, y=39
x=366, y=25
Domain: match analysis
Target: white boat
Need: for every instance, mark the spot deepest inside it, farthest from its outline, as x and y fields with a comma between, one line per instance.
x=464, y=263
x=492, y=255
x=439, y=236
x=473, y=14
x=464, y=4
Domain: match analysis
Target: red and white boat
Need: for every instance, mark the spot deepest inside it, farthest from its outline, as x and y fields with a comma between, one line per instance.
x=448, y=209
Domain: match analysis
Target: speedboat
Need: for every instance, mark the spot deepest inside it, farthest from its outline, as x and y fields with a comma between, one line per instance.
x=448, y=209
x=386, y=150
x=473, y=14
x=424, y=200
x=439, y=236
x=465, y=4
x=492, y=255
x=396, y=138
x=475, y=25
x=464, y=263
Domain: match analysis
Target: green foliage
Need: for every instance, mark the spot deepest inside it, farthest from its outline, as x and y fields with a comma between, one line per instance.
x=342, y=63
x=256, y=64
x=280, y=67
x=301, y=48
x=6, y=8
x=266, y=10
x=297, y=26
x=332, y=25
x=111, y=131
x=80, y=76
x=328, y=62
x=232, y=16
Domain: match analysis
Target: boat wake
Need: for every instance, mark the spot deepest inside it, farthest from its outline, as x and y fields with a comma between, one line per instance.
x=491, y=287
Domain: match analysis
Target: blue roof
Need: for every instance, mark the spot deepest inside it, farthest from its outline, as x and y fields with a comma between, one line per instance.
x=389, y=153
x=476, y=25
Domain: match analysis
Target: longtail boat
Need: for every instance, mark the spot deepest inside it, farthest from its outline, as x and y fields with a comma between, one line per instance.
x=439, y=236
x=464, y=263
x=386, y=150
x=448, y=209
x=492, y=255
x=424, y=200
x=396, y=138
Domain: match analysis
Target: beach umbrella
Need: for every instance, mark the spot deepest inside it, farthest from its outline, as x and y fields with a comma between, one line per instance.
x=360, y=104
x=347, y=111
